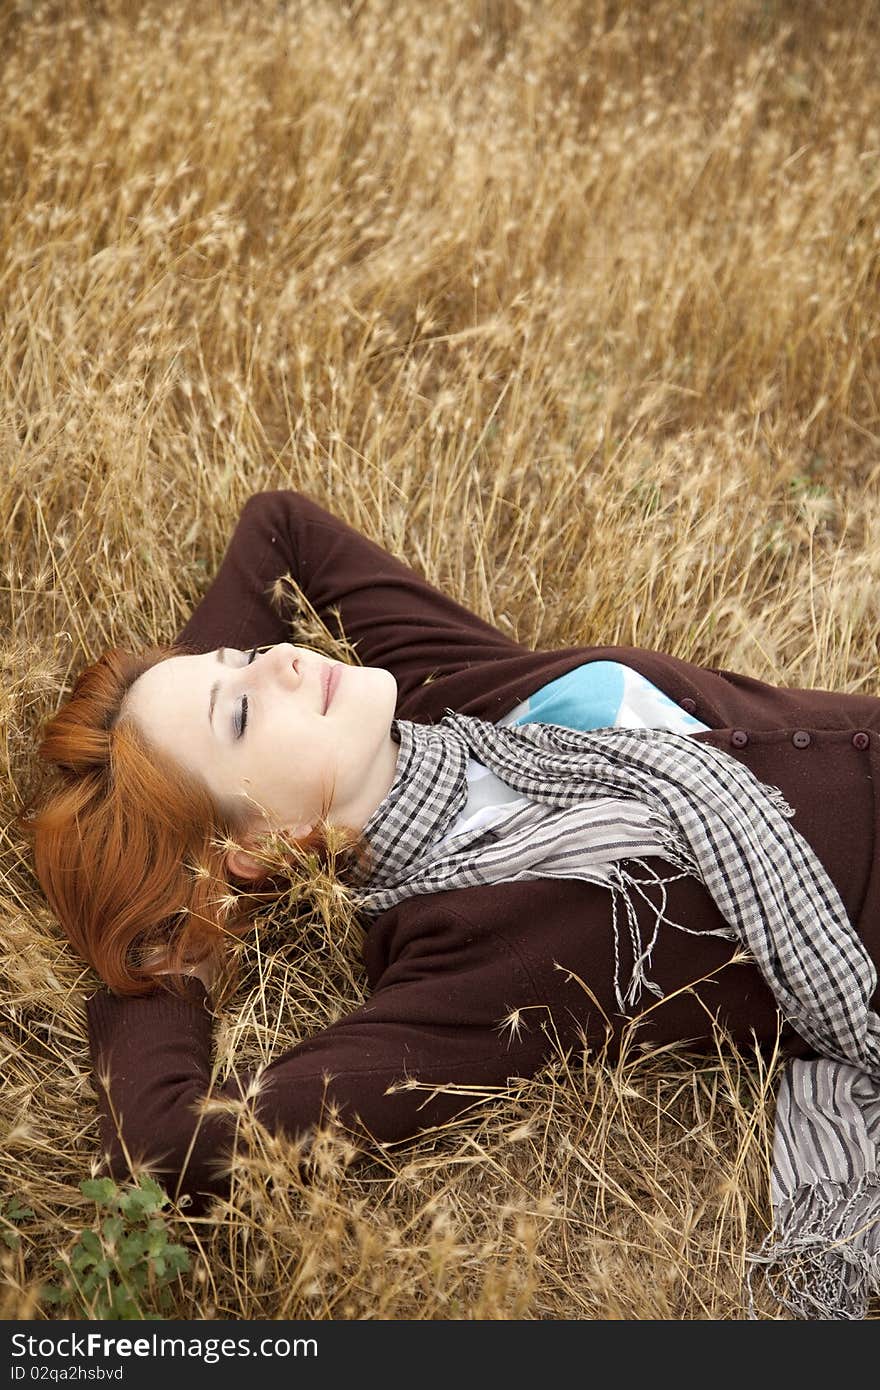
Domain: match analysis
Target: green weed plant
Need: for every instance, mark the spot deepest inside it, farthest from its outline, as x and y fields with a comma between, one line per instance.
x=125, y=1261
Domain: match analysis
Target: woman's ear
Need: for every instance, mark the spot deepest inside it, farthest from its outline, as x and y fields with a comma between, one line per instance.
x=243, y=865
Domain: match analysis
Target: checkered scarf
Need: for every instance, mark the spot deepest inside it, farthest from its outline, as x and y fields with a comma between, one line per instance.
x=599, y=798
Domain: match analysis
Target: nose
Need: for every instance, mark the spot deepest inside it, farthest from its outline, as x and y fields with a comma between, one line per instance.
x=286, y=663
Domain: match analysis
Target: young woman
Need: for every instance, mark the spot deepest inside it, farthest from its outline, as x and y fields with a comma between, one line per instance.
x=494, y=895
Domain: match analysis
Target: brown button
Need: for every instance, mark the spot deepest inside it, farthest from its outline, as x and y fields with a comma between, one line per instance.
x=688, y=705
x=861, y=740
x=739, y=738
x=801, y=739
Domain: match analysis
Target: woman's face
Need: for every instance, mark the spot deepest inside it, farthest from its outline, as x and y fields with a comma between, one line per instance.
x=253, y=727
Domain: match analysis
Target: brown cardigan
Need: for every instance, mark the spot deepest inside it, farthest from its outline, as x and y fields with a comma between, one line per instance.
x=444, y=969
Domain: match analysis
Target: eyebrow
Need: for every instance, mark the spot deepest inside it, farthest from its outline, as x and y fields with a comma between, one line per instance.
x=214, y=688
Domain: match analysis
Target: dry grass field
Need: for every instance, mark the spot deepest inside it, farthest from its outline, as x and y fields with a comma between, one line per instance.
x=575, y=307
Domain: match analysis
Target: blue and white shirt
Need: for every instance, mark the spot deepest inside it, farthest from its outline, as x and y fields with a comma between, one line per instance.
x=597, y=695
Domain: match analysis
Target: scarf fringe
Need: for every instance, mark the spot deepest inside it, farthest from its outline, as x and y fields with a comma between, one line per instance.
x=817, y=1263
x=623, y=884
x=778, y=801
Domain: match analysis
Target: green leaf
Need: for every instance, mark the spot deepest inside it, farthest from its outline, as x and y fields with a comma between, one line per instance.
x=148, y=1184
x=157, y=1239
x=132, y=1249
x=101, y=1190
x=50, y=1293
x=177, y=1258
x=123, y=1306
x=16, y=1212
x=112, y=1229
x=136, y=1205
x=12, y=1239
x=130, y=1207
x=102, y=1306
x=89, y=1242
x=85, y=1253
x=148, y=1196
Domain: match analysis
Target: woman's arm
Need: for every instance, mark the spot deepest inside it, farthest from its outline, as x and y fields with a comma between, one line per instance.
x=435, y=1018
x=390, y=614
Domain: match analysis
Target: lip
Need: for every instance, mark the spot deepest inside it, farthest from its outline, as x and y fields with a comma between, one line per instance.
x=331, y=680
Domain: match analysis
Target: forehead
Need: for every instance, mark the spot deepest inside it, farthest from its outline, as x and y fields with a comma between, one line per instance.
x=174, y=670
x=183, y=677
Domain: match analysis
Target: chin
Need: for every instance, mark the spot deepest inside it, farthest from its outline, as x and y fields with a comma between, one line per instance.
x=383, y=674
x=391, y=684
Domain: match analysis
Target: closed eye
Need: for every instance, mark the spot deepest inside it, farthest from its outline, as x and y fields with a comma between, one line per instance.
x=241, y=723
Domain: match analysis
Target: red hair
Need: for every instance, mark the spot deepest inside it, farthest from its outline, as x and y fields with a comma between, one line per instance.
x=128, y=849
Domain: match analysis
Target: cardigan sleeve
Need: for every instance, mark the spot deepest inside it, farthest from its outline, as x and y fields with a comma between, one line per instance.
x=435, y=1020
x=391, y=615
